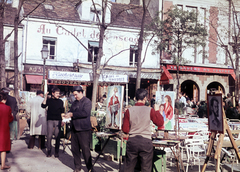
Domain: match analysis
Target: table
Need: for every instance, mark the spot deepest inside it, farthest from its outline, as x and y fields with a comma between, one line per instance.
x=103, y=134
x=170, y=144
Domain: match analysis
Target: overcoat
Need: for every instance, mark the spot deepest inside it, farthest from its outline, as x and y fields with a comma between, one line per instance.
x=5, y=118
x=38, y=124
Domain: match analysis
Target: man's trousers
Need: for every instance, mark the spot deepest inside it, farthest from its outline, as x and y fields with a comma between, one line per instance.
x=80, y=142
x=53, y=126
x=138, y=148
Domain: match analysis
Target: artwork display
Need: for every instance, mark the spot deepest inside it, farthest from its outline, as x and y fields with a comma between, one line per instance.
x=114, y=107
x=215, y=113
x=165, y=101
x=25, y=96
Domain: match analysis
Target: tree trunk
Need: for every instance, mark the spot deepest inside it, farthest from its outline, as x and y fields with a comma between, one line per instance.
x=2, y=54
x=140, y=43
x=16, y=56
x=96, y=68
x=237, y=76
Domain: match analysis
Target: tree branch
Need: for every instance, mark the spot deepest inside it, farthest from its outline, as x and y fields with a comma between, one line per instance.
x=8, y=35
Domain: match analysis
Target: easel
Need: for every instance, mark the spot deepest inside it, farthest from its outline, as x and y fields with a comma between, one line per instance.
x=219, y=145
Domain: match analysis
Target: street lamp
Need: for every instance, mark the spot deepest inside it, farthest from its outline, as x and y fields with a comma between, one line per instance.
x=44, y=53
x=75, y=66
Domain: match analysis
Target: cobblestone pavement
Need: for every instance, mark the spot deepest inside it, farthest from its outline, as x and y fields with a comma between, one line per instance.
x=22, y=159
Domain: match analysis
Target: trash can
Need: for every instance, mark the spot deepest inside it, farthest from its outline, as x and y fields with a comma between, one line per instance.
x=159, y=161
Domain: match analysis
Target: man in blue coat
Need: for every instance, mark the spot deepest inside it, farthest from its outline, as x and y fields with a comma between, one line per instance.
x=80, y=113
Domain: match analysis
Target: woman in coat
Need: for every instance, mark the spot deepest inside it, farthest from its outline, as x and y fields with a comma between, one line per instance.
x=5, y=118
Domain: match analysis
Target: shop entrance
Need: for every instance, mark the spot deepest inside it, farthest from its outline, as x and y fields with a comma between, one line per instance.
x=191, y=89
x=216, y=87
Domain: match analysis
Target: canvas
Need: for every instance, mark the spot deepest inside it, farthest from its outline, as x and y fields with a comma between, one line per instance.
x=215, y=113
x=166, y=101
x=114, y=107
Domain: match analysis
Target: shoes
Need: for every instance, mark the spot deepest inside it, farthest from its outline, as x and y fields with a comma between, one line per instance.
x=56, y=155
x=5, y=167
x=49, y=154
x=110, y=125
x=115, y=125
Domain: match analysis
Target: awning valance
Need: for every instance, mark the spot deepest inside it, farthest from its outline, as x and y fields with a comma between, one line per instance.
x=34, y=79
x=165, y=77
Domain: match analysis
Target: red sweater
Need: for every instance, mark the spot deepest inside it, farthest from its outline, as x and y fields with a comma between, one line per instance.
x=155, y=116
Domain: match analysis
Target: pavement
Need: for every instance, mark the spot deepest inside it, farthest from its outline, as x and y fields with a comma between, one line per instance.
x=22, y=159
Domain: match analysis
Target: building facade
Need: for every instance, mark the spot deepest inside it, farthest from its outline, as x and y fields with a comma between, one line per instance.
x=68, y=29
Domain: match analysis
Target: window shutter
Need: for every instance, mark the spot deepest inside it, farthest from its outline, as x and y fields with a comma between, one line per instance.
x=11, y=59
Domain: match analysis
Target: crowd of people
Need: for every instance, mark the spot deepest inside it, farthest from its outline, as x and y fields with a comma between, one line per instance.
x=46, y=123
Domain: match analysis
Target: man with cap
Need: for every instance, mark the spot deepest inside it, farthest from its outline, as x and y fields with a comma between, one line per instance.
x=81, y=128
x=12, y=102
x=54, y=119
x=38, y=124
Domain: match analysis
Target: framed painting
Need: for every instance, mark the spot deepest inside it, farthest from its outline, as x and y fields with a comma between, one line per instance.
x=215, y=113
x=114, y=107
x=166, y=102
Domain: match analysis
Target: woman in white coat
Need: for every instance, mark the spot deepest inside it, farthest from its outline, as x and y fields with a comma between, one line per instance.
x=38, y=121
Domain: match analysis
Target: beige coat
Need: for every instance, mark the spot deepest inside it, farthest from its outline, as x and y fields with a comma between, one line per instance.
x=38, y=124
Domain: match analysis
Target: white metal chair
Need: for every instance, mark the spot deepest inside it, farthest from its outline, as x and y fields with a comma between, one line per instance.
x=231, y=162
x=196, y=150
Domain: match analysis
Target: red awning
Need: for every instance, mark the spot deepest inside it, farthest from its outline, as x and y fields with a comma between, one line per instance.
x=165, y=77
x=34, y=79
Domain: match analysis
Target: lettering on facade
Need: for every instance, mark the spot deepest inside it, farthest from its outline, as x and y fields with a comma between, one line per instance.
x=43, y=29
x=202, y=69
x=39, y=69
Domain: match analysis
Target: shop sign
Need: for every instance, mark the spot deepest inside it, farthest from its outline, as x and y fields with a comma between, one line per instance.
x=64, y=82
x=113, y=78
x=68, y=76
x=202, y=69
x=30, y=69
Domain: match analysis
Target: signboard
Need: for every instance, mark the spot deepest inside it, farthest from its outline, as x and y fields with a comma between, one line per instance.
x=75, y=78
x=69, y=76
x=113, y=78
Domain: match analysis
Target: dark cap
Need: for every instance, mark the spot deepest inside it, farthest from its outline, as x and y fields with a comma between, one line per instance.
x=77, y=88
x=39, y=92
x=6, y=90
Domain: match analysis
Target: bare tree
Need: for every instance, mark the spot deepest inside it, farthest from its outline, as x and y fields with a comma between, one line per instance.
x=2, y=53
x=226, y=36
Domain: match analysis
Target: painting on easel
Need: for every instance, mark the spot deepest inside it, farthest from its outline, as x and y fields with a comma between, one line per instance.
x=215, y=113
x=114, y=107
x=165, y=101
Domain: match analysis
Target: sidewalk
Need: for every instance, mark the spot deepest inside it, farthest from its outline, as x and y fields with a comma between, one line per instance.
x=22, y=159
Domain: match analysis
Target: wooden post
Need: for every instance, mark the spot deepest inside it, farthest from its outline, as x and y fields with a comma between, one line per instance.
x=209, y=150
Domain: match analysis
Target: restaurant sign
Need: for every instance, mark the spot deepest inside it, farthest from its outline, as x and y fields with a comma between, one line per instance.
x=74, y=78
x=202, y=69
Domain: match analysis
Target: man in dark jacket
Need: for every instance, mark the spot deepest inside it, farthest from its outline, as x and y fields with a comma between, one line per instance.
x=12, y=102
x=54, y=119
x=81, y=128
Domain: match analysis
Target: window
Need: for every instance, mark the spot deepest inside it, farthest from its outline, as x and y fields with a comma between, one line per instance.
x=133, y=55
x=9, y=53
x=93, y=48
x=94, y=13
x=51, y=44
x=236, y=23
